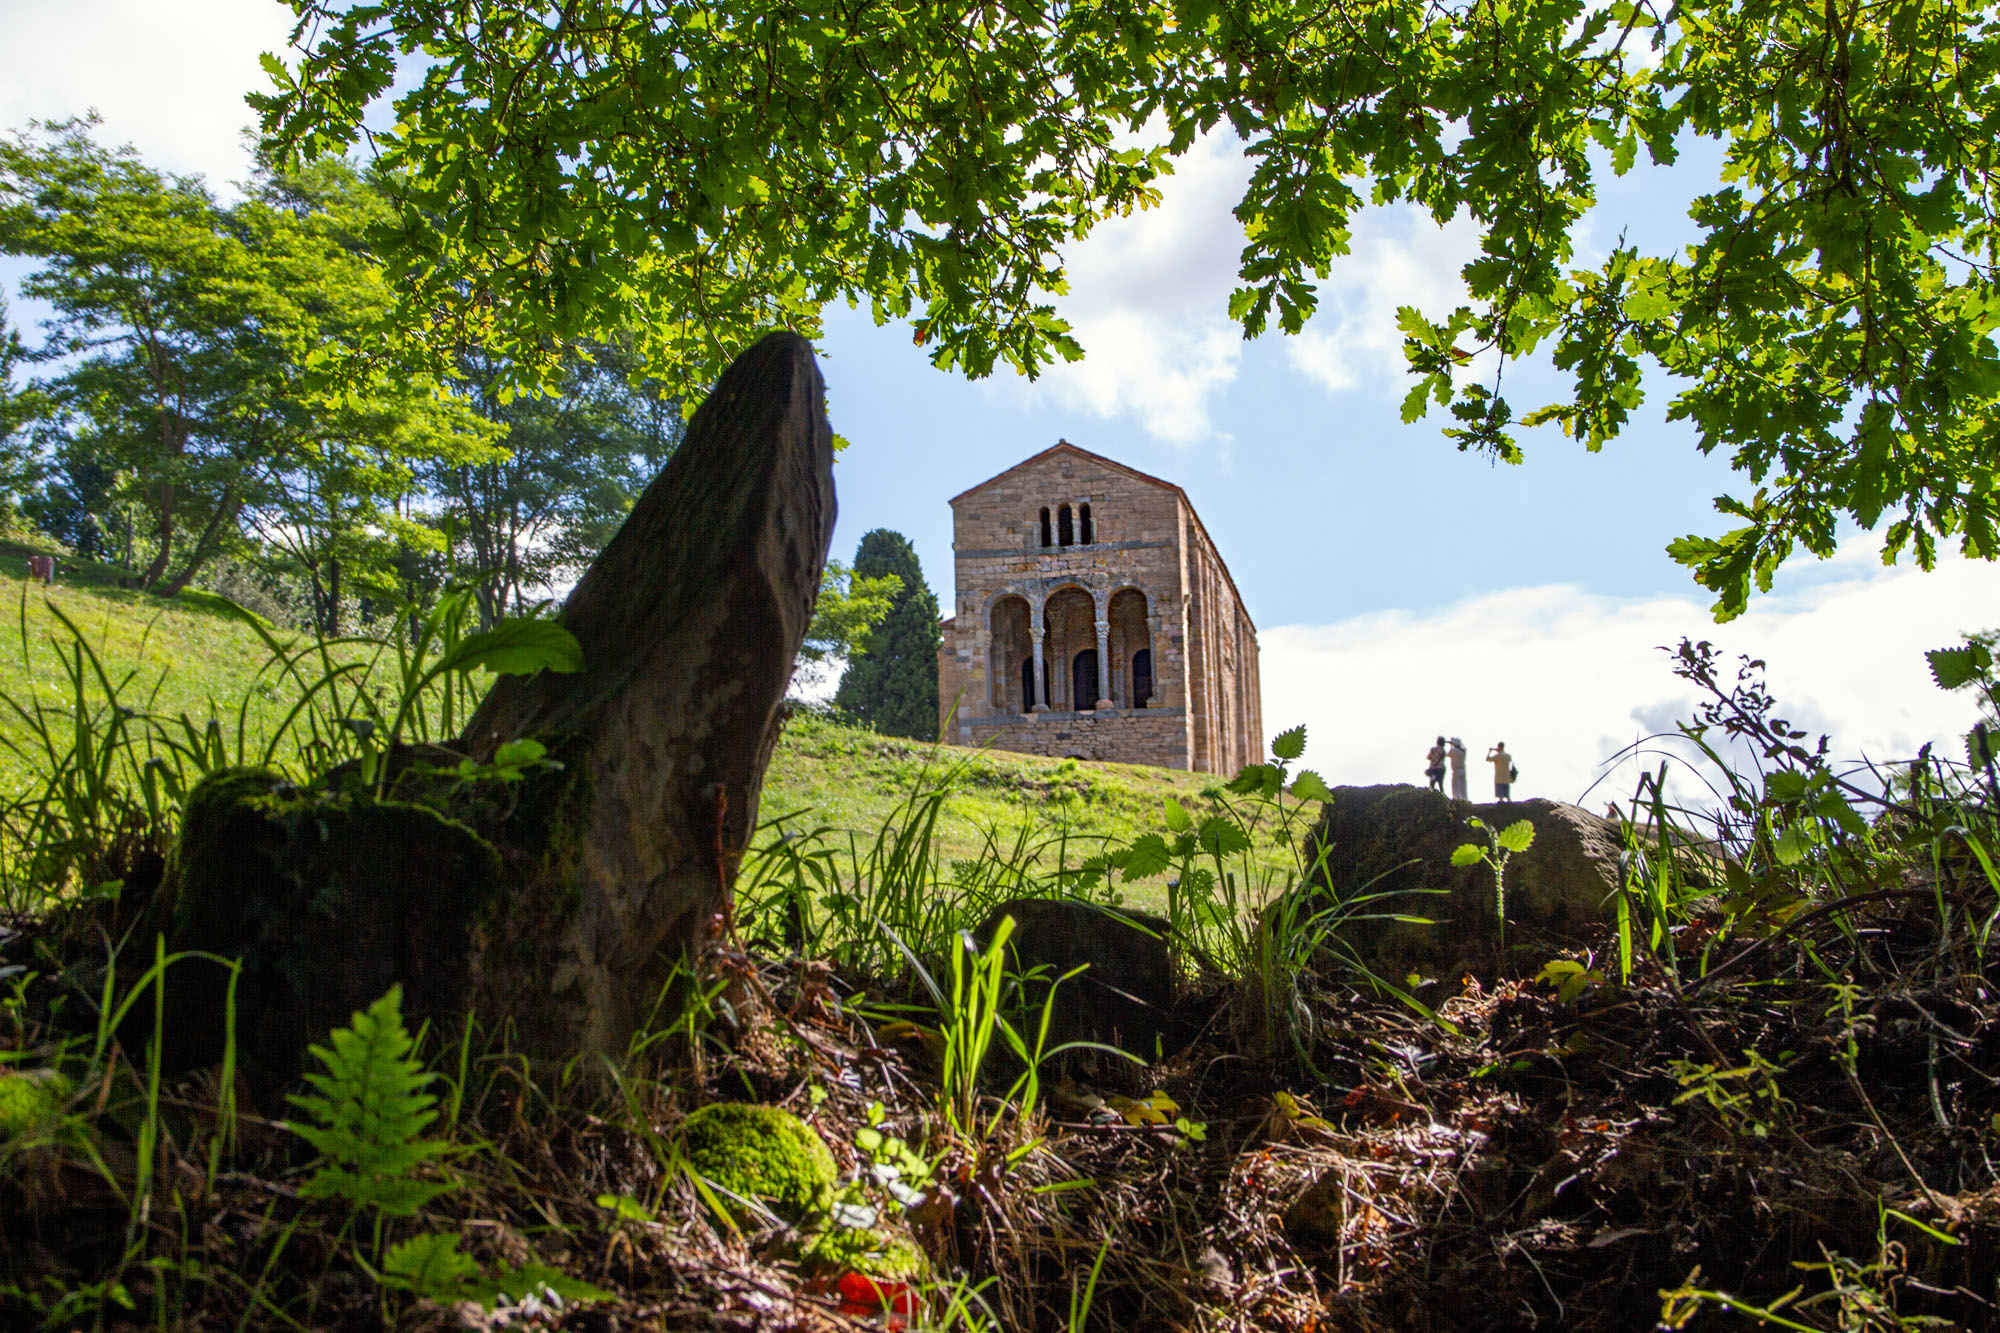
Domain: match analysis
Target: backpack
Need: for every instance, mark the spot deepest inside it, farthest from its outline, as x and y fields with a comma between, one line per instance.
x=1513, y=773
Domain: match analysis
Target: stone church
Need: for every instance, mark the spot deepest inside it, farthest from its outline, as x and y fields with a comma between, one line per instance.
x=1096, y=620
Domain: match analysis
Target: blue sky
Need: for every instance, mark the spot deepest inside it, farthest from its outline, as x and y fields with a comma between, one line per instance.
x=1401, y=588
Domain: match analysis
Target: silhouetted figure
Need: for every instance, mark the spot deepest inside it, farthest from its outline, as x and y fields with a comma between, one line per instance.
x=1434, y=766
x=1504, y=772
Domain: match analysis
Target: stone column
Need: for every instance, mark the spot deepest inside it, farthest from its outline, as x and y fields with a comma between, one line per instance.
x=1036, y=704
x=1156, y=640
x=1104, y=664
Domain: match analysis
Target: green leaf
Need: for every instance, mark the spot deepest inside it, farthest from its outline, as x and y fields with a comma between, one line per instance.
x=1569, y=977
x=1177, y=816
x=516, y=648
x=1517, y=836
x=626, y=1208
x=1785, y=786
x=1793, y=845
x=1955, y=668
x=519, y=753
x=368, y=1113
x=1250, y=779
x=1289, y=745
x=433, y=1267
x=1147, y=857
x=531, y=1279
x=1222, y=836
x=1467, y=854
x=1310, y=786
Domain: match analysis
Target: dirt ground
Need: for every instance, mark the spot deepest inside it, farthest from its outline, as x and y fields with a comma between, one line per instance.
x=1610, y=1158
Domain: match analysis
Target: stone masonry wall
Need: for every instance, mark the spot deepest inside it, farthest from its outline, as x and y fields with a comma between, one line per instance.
x=1222, y=670
x=951, y=682
x=1152, y=736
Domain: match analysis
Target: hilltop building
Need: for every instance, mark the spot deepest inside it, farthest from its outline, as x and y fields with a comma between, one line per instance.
x=1096, y=620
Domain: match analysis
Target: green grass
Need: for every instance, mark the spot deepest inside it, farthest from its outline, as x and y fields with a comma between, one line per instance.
x=852, y=779
x=190, y=656
x=180, y=656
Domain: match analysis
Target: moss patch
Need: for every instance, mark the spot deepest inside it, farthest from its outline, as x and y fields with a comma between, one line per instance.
x=31, y=1101
x=761, y=1153
x=869, y=1250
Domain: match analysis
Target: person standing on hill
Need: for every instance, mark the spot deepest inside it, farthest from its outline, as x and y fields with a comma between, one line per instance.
x=1503, y=772
x=1456, y=753
x=1434, y=765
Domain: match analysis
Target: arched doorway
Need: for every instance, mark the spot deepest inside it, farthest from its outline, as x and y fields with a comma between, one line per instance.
x=1142, y=677
x=1083, y=679
x=1069, y=620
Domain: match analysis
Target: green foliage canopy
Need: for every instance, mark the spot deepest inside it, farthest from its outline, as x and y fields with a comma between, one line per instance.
x=193, y=345
x=850, y=604
x=571, y=462
x=893, y=685
x=721, y=168
x=19, y=405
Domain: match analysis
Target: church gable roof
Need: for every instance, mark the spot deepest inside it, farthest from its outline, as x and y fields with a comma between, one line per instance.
x=1065, y=447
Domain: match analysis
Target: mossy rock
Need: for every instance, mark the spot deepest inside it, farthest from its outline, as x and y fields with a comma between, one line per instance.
x=31, y=1101
x=761, y=1153
x=869, y=1250
x=329, y=896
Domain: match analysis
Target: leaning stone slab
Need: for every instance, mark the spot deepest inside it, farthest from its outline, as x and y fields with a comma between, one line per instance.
x=555, y=910
x=1398, y=840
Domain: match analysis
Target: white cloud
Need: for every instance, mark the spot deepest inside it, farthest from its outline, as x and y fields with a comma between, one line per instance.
x=1398, y=257
x=1149, y=298
x=168, y=76
x=1567, y=679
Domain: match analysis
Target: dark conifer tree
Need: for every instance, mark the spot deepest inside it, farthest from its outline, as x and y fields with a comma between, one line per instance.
x=893, y=685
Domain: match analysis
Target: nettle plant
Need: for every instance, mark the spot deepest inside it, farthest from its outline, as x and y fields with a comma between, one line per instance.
x=1502, y=843
x=1242, y=895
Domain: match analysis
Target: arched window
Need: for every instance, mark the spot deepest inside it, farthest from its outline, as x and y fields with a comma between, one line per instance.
x=1065, y=529
x=1142, y=677
x=1083, y=520
x=1028, y=700
x=1045, y=529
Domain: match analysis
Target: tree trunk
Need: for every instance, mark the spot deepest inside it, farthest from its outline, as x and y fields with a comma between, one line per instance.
x=333, y=597
x=164, y=531
x=226, y=510
x=554, y=909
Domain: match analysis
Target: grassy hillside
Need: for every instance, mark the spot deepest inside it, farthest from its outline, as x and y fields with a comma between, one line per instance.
x=190, y=657
x=163, y=657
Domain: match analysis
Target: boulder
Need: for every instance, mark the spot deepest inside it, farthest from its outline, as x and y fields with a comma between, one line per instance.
x=1398, y=840
x=1124, y=996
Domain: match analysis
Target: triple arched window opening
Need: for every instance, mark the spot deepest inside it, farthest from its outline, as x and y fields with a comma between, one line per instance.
x=1069, y=529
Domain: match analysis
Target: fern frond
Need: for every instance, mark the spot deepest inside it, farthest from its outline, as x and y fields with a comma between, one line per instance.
x=369, y=1114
